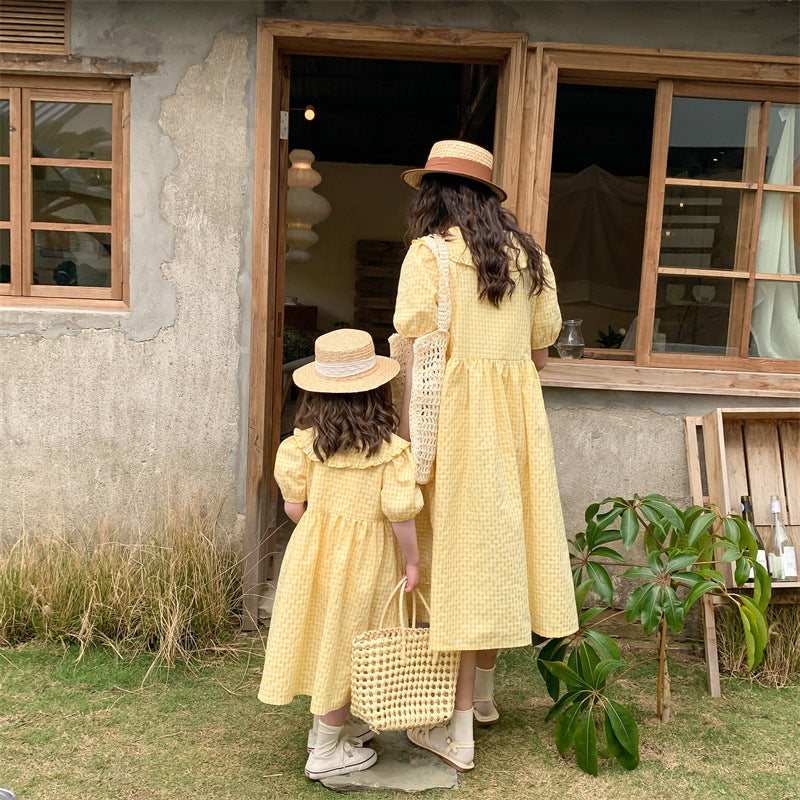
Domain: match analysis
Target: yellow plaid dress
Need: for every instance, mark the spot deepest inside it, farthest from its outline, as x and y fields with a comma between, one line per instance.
x=492, y=529
x=340, y=565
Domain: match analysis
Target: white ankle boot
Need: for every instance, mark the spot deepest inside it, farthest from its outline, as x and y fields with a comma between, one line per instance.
x=333, y=755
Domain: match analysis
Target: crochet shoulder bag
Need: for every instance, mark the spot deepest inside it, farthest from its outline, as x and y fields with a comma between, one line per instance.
x=430, y=358
x=398, y=682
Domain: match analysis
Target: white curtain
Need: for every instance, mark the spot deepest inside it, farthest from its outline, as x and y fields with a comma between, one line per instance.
x=776, y=316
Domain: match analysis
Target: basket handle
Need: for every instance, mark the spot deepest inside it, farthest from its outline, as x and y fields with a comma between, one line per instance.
x=401, y=619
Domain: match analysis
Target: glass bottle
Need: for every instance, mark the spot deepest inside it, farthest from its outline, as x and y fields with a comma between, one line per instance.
x=570, y=340
x=761, y=551
x=786, y=562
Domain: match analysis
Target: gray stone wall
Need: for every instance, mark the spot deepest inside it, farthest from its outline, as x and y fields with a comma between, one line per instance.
x=104, y=415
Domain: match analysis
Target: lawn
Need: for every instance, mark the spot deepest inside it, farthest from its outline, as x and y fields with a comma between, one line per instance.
x=104, y=728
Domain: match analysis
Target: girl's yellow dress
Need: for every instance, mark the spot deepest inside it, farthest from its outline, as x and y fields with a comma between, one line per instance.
x=492, y=530
x=340, y=565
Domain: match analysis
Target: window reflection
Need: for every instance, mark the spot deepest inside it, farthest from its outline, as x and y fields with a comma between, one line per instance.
x=69, y=194
x=72, y=130
x=71, y=258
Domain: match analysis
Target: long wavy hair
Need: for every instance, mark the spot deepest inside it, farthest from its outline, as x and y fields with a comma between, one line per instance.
x=492, y=234
x=358, y=421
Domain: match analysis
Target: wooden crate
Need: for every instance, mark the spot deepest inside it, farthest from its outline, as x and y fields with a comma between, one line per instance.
x=745, y=451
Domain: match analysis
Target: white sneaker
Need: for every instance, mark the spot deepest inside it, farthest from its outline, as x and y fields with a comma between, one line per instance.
x=342, y=761
x=356, y=730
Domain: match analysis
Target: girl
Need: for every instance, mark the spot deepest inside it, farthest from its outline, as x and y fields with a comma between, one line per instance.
x=347, y=481
x=493, y=534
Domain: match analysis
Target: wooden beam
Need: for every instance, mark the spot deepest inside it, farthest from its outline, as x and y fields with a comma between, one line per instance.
x=74, y=65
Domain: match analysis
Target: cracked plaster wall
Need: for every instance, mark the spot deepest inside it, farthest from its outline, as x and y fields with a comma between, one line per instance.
x=100, y=412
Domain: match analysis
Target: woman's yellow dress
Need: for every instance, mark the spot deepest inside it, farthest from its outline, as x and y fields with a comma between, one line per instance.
x=340, y=565
x=492, y=529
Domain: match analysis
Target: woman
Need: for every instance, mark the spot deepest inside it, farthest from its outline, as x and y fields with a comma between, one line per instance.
x=492, y=532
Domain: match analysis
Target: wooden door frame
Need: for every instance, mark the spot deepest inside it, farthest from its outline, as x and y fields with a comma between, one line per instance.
x=277, y=41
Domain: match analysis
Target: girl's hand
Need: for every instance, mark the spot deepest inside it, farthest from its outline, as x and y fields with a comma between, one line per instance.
x=412, y=576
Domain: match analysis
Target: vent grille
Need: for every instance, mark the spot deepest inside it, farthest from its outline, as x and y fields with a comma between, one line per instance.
x=38, y=26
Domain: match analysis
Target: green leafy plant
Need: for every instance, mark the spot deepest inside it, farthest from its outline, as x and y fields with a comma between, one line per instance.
x=681, y=549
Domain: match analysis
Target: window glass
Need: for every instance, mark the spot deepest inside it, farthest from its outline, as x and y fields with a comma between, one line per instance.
x=70, y=194
x=4, y=106
x=693, y=314
x=72, y=130
x=5, y=255
x=70, y=258
x=710, y=139
x=598, y=203
x=775, y=327
x=699, y=227
x=783, y=145
x=5, y=197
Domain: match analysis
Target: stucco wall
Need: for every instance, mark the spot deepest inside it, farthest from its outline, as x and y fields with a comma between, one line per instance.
x=100, y=414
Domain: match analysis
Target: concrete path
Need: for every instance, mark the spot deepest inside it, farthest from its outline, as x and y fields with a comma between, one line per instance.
x=401, y=767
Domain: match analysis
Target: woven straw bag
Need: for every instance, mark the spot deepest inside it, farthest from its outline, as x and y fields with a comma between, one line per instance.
x=430, y=358
x=398, y=682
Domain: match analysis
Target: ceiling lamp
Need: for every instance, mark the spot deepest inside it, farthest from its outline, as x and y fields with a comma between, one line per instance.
x=304, y=207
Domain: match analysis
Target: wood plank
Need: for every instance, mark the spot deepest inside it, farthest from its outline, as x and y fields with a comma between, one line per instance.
x=73, y=292
x=727, y=91
x=789, y=432
x=26, y=194
x=763, y=454
x=42, y=62
x=79, y=163
x=544, y=151
x=15, y=180
x=737, y=467
x=711, y=184
x=529, y=139
x=710, y=646
x=719, y=493
x=123, y=172
x=779, y=187
x=621, y=376
x=691, y=425
x=771, y=276
x=72, y=303
x=117, y=195
x=715, y=363
x=655, y=211
x=704, y=273
x=80, y=227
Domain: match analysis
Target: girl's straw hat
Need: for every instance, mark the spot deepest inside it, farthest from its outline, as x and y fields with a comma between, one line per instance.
x=457, y=158
x=345, y=361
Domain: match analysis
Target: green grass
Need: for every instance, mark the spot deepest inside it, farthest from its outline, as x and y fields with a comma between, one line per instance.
x=102, y=728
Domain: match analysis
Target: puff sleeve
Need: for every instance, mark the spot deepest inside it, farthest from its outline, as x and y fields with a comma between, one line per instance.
x=291, y=471
x=546, y=323
x=416, y=309
x=401, y=498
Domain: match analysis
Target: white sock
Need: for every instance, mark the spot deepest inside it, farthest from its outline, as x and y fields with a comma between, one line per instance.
x=461, y=726
x=484, y=683
x=327, y=739
x=315, y=724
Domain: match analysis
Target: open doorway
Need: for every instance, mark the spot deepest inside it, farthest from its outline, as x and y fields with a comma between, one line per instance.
x=364, y=121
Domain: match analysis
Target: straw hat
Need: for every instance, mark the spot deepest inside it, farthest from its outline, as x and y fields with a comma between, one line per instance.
x=457, y=158
x=345, y=361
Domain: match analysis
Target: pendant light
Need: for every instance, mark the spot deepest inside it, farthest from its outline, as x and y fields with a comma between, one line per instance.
x=304, y=207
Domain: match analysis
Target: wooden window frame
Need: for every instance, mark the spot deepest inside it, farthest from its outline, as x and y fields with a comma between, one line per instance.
x=22, y=89
x=670, y=73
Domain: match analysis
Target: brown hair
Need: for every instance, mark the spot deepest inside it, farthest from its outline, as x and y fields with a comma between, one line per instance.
x=359, y=421
x=488, y=229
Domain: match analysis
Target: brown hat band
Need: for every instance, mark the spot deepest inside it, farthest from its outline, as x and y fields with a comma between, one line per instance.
x=461, y=166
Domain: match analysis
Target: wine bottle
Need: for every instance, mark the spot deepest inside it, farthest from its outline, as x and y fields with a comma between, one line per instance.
x=786, y=561
x=761, y=552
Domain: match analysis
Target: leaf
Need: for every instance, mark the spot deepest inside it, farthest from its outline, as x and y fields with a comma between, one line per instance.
x=731, y=530
x=762, y=586
x=742, y=571
x=605, y=519
x=697, y=591
x=603, y=537
x=581, y=592
x=591, y=511
x=603, y=670
x=602, y=644
x=629, y=527
x=589, y=614
x=668, y=511
x=749, y=640
x=701, y=524
x=655, y=562
x=586, y=744
x=615, y=749
x=645, y=573
x=636, y=601
x=673, y=609
x=607, y=552
x=758, y=626
x=587, y=661
x=563, y=702
x=712, y=575
x=687, y=578
x=602, y=582
x=554, y=650
x=746, y=539
x=730, y=553
x=566, y=726
x=651, y=610
x=624, y=727
x=565, y=673
x=680, y=562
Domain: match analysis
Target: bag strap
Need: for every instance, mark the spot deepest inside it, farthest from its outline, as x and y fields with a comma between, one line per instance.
x=402, y=620
x=438, y=246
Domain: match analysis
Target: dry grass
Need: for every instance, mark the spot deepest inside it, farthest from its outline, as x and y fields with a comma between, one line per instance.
x=781, y=664
x=173, y=590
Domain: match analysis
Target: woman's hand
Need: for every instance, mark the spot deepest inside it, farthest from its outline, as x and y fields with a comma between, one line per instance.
x=412, y=577
x=539, y=358
x=294, y=511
